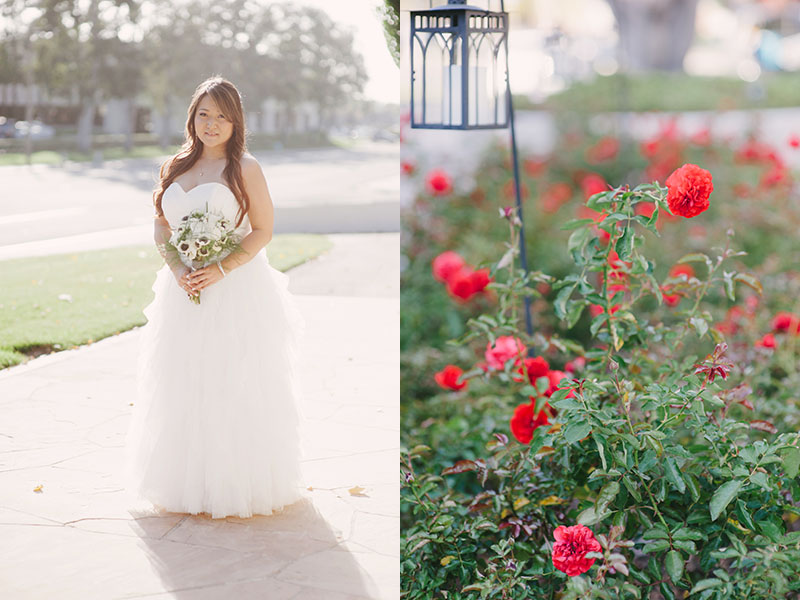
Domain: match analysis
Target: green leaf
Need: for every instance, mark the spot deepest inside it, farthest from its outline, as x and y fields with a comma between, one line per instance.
x=656, y=546
x=706, y=584
x=684, y=533
x=574, y=313
x=607, y=495
x=685, y=545
x=727, y=280
x=723, y=496
x=576, y=223
x=694, y=257
x=791, y=462
x=760, y=479
x=674, y=475
x=691, y=483
x=744, y=515
x=656, y=533
x=560, y=303
x=674, y=565
x=577, y=431
x=700, y=325
x=624, y=245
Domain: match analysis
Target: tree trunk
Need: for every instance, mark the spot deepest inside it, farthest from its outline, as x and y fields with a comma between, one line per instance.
x=86, y=124
x=654, y=35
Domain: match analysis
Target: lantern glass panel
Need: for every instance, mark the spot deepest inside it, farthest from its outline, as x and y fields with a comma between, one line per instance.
x=437, y=84
x=487, y=79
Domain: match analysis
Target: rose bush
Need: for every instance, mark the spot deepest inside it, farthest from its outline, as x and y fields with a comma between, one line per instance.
x=669, y=435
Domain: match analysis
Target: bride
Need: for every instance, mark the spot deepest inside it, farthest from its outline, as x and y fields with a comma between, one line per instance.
x=214, y=426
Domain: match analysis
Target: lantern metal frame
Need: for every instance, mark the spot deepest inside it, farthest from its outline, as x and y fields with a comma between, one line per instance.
x=455, y=18
x=460, y=30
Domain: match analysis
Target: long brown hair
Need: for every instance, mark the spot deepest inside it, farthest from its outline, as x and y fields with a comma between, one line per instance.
x=227, y=97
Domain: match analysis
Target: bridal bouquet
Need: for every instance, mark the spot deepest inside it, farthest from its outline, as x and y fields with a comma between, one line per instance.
x=202, y=237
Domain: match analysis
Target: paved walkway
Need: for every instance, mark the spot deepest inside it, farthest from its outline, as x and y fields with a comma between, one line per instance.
x=64, y=420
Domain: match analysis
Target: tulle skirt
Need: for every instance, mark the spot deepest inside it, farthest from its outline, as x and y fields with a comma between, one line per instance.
x=215, y=425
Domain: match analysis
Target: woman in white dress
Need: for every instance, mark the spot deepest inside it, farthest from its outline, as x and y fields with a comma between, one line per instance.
x=214, y=427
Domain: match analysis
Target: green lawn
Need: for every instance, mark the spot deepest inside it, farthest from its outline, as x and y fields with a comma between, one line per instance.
x=672, y=92
x=58, y=302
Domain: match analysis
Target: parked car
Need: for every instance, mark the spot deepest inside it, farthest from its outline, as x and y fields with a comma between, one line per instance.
x=6, y=127
x=39, y=130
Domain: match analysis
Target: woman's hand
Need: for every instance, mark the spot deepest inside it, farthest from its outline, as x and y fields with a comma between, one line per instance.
x=182, y=277
x=204, y=277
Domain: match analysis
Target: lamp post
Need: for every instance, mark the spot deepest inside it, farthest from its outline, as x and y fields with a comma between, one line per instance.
x=459, y=80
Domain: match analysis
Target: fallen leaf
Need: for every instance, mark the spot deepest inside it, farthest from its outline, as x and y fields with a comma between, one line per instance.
x=550, y=500
x=38, y=488
x=357, y=490
x=520, y=502
x=446, y=560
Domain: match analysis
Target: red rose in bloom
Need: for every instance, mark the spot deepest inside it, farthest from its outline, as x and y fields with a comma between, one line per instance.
x=605, y=149
x=446, y=265
x=593, y=184
x=407, y=167
x=448, y=378
x=689, y=189
x=460, y=284
x=572, y=545
x=535, y=367
x=555, y=377
x=505, y=347
x=439, y=183
x=524, y=422
x=679, y=270
x=794, y=140
x=596, y=309
x=480, y=279
x=786, y=322
x=768, y=341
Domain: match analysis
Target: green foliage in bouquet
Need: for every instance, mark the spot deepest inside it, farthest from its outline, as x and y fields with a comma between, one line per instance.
x=650, y=472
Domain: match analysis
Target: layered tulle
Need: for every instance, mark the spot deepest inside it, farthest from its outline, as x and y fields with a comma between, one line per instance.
x=214, y=428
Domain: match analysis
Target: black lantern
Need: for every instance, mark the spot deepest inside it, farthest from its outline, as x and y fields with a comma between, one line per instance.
x=459, y=67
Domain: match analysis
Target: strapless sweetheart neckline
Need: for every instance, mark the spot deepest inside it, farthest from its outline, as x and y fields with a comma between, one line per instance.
x=199, y=185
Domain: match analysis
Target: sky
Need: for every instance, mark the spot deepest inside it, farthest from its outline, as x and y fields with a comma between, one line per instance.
x=361, y=16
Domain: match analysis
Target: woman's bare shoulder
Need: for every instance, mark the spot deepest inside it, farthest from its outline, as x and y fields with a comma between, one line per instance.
x=250, y=163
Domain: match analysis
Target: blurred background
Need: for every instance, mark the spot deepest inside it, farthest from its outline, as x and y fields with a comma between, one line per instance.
x=113, y=74
x=636, y=57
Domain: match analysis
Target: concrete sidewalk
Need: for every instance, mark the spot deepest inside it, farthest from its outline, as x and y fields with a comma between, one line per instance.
x=64, y=421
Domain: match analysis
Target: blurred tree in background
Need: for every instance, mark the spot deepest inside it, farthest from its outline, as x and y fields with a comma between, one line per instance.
x=153, y=53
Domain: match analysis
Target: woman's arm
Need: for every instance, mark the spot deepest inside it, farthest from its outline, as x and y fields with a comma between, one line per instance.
x=161, y=234
x=261, y=215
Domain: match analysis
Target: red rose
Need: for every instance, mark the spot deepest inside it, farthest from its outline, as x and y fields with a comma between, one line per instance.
x=794, y=141
x=555, y=377
x=689, y=189
x=448, y=378
x=524, y=423
x=534, y=167
x=679, y=270
x=670, y=299
x=439, y=183
x=775, y=176
x=407, y=167
x=786, y=322
x=572, y=545
x=480, y=279
x=535, y=367
x=593, y=184
x=768, y=341
x=446, y=265
x=555, y=196
x=701, y=138
x=605, y=149
x=509, y=193
x=460, y=284
x=505, y=348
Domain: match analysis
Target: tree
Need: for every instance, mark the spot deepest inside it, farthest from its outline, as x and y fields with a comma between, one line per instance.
x=390, y=15
x=654, y=34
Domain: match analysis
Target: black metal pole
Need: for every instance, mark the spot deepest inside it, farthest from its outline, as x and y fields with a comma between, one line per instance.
x=523, y=257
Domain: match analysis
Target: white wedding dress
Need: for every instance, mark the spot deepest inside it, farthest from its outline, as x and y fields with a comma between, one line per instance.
x=214, y=428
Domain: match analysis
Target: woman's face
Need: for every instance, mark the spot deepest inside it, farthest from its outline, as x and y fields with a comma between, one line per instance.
x=212, y=126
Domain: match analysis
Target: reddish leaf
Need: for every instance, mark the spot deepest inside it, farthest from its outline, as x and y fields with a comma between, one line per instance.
x=461, y=466
x=764, y=426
